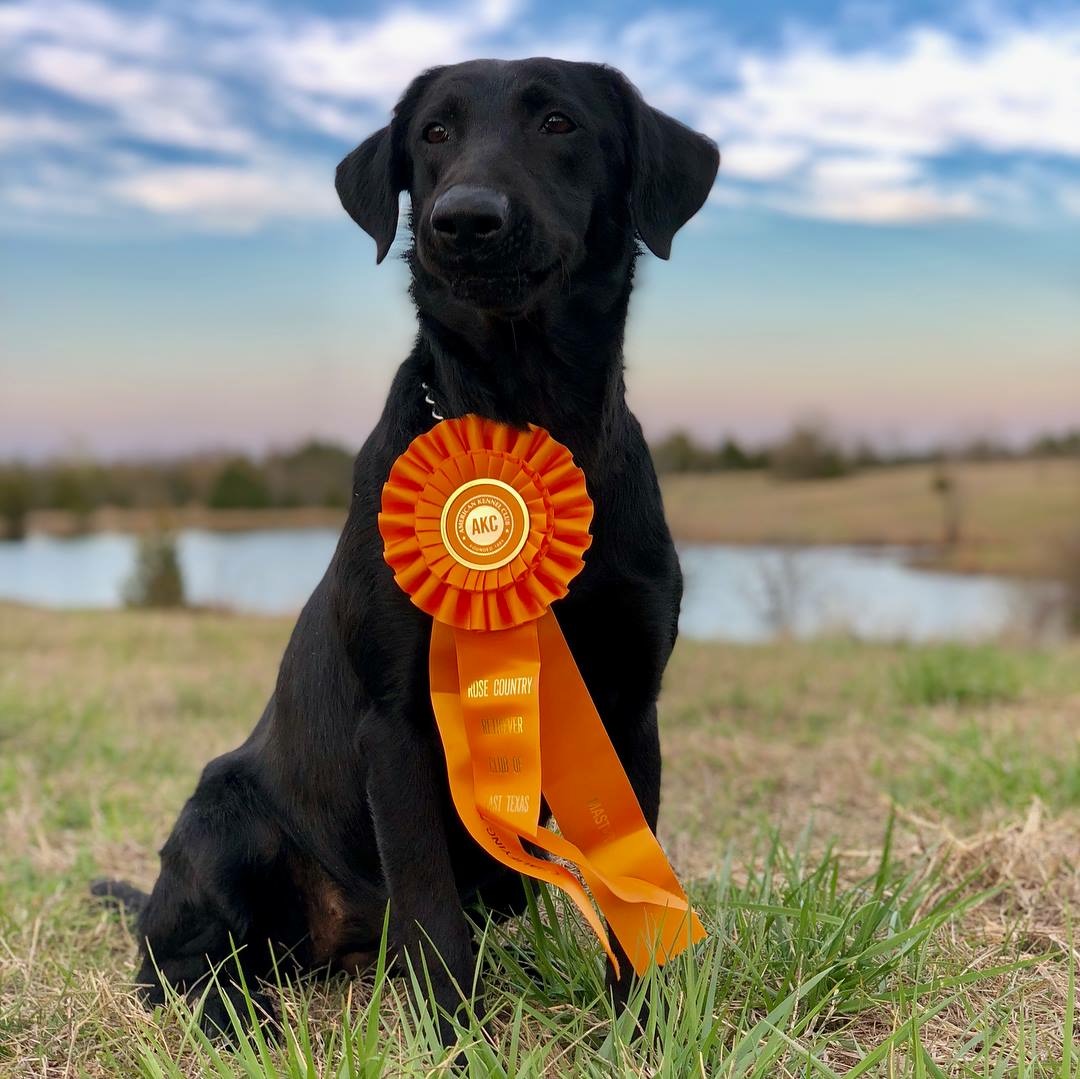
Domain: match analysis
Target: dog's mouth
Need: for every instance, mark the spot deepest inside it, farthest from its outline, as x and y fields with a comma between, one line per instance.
x=499, y=290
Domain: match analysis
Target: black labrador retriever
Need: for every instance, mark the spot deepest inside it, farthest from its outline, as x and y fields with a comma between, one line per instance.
x=530, y=182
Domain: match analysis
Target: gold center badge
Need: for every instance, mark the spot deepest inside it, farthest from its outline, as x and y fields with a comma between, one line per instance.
x=484, y=524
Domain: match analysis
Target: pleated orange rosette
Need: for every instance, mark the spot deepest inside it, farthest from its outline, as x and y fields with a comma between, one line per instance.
x=485, y=526
x=534, y=555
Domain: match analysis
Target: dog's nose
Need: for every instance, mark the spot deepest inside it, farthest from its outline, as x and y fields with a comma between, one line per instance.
x=466, y=215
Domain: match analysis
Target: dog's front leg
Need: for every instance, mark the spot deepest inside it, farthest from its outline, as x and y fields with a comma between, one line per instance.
x=405, y=785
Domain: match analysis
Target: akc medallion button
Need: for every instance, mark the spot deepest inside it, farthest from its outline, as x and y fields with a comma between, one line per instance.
x=484, y=524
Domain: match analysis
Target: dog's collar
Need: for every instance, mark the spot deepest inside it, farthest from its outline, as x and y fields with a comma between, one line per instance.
x=430, y=400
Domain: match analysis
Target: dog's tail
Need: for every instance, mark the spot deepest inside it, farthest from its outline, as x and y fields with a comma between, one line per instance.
x=120, y=895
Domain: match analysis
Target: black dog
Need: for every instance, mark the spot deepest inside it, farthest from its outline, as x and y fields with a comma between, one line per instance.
x=528, y=182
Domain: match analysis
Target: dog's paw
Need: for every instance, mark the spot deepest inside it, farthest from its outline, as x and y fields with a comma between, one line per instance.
x=217, y=1020
x=119, y=895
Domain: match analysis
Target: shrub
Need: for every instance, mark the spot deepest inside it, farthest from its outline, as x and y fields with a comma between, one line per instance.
x=956, y=674
x=16, y=500
x=809, y=453
x=734, y=457
x=76, y=489
x=157, y=580
x=239, y=485
x=315, y=473
x=1066, y=444
x=680, y=453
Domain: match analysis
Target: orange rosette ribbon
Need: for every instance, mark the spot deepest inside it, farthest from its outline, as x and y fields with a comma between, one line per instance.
x=485, y=526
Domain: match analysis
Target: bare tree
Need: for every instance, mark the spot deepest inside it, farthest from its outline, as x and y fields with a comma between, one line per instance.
x=946, y=486
x=781, y=592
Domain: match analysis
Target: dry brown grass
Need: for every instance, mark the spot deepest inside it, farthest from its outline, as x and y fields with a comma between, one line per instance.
x=1015, y=515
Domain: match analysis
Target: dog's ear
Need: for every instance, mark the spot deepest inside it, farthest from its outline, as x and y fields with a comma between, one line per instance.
x=672, y=170
x=368, y=182
x=370, y=179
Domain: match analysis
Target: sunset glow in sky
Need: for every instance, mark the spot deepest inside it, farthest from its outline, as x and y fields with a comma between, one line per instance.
x=893, y=243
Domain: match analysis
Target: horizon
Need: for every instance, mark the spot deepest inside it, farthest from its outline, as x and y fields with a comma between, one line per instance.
x=977, y=447
x=892, y=243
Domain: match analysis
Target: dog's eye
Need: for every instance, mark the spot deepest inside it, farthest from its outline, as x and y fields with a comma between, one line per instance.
x=435, y=133
x=557, y=124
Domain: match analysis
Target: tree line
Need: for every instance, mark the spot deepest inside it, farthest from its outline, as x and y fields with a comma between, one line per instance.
x=319, y=473
x=316, y=473
x=811, y=451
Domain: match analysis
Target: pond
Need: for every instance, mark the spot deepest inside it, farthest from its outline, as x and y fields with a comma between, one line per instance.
x=732, y=593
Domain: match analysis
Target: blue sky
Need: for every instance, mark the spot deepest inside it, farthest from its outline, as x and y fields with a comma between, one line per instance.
x=892, y=243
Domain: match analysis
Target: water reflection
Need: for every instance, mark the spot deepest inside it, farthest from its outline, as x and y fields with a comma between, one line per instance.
x=732, y=593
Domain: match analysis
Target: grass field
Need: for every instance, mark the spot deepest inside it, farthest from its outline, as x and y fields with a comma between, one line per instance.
x=944, y=948
x=1015, y=516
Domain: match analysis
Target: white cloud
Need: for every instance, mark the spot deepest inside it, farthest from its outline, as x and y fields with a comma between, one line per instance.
x=757, y=159
x=341, y=121
x=233, y=81
x=811, y=127
x=863, y=170
x=230, y=198
x=927, y=93
x=872, y=189
x=86, y=22
x=168, y=107
x=373, y=59
x=39, y=129
x=886, y=204
x=874, y=121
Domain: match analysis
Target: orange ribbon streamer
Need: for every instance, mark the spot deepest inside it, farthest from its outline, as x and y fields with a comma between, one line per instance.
x=484, y=527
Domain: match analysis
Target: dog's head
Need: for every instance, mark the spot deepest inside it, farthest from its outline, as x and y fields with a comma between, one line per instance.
x=512, y=165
